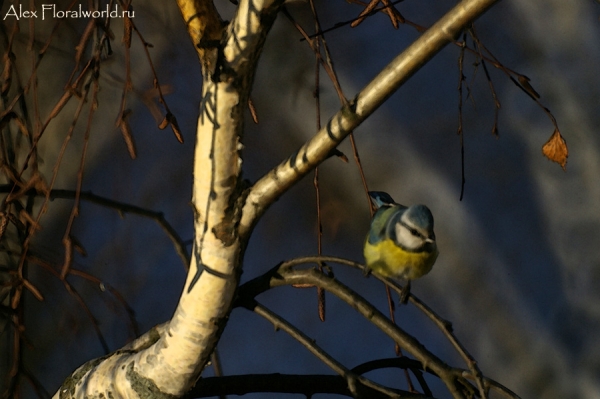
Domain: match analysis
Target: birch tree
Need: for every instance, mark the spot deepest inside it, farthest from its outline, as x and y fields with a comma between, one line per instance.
x=168, y=360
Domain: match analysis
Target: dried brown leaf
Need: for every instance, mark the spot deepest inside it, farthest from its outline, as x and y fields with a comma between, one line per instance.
x=556, y=149
x=164, y=123
x=68, y=244
x=175, y=127
x=6, y=75
x=524, y=81
x=3, y=223
x=41, y=187
x=22, y=126
x=253, y=112
x=127, y=134
x=77, y=245
x=321, y=302
x=364, y=13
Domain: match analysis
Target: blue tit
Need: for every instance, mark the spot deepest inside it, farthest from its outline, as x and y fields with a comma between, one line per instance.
x=401, y=241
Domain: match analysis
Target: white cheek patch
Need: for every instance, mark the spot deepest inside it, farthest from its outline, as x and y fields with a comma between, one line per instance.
x=406, y=239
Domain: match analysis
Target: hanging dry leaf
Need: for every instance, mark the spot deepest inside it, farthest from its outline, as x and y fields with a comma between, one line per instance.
x=556, y=149
x=253, y=111
x=3, y=223
x=524, y=81
x=127, y=134
x=170, y=120
x=321, y=302
x=495, y=131
x=6, y=75
x=164, y=123
x=77, y=245
x=175, y=127
x=68, y=257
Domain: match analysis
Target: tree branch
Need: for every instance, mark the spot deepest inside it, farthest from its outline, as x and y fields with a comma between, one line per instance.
x=172, y=363
x=453, y=378
x=205, y=27
x=285, y=275
x=349, y=117
x=357, y=385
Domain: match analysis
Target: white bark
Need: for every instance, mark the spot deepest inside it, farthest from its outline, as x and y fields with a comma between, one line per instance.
x=173, y=357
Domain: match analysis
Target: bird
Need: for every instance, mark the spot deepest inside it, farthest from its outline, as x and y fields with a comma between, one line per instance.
x=401, y=241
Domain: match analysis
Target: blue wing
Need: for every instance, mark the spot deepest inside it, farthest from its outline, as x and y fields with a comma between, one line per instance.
x=380, y=199
x=384, y=220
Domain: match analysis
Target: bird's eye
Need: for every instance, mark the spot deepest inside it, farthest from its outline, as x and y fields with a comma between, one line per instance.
x=415, y=233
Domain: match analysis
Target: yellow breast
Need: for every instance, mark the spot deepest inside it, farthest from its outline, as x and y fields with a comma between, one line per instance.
x=387, y=259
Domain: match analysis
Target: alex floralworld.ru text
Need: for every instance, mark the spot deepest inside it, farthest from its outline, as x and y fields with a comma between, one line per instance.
x=50, y=11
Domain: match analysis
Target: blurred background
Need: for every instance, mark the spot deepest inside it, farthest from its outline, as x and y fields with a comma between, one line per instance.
x=519, y=267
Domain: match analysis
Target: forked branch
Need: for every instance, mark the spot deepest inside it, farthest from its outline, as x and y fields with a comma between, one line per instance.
x=349, y=117
x=455, y=379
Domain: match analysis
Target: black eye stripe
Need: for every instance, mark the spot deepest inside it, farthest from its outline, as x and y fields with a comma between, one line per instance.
x=412, y=230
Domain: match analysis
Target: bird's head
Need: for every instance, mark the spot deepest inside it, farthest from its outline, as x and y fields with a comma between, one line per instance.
x=414, y=229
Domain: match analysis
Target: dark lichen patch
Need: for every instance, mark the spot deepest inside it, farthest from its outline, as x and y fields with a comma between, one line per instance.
x=144, y=387
x=67, y=389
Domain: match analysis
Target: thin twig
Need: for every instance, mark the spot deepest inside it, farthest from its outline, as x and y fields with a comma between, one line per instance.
x=353, y=381
x=317, y=94
x=460, y=132
x=121, y=207
x=285, y=274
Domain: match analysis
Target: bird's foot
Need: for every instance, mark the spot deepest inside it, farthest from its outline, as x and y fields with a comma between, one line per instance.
x=405, y=293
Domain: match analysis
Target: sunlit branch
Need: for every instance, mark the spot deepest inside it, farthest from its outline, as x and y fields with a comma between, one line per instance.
x=349, y=117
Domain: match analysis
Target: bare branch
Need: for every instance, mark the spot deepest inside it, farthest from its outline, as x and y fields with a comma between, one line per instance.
x=349, y=117
x=286, y=275
x=453, y=378
x=120, y=207
x=355, y=383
